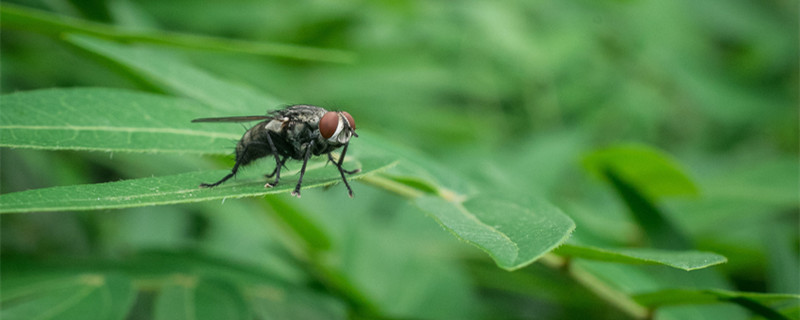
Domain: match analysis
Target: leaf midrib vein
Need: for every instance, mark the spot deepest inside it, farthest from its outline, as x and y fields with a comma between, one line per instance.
x=125, y=129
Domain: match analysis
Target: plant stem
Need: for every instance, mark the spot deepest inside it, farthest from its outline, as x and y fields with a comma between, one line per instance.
x=613, y=296
x=391, y=186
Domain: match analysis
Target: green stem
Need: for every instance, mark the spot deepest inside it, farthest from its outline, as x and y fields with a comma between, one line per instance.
x=613, y=296
x=391, y=186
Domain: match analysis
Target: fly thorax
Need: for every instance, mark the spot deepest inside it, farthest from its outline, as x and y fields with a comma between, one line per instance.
x=275, y=125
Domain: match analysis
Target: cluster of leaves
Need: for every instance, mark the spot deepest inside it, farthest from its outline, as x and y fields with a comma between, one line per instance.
x=470, y=116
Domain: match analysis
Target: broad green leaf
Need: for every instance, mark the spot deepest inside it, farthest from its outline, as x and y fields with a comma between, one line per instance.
x=767, y=305
x=181, y=188
x=55, y=25
x=192, y=298
x=81, y=296
x=514, y=234
x=646, y=169
x=686, y=260
x=171, y=74
x=109, y=120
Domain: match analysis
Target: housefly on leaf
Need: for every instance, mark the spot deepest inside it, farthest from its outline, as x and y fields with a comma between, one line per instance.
x=296, y=132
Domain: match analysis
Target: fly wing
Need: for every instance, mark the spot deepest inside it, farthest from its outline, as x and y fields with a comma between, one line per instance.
x=233, y=119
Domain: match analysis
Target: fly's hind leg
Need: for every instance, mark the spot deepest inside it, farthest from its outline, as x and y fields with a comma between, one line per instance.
x=230, y=175
x=278, y=164
x=239, y=161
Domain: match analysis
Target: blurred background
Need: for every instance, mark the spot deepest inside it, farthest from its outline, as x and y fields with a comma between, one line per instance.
x=510, y=93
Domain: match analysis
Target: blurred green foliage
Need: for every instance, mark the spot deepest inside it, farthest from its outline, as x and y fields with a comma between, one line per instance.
x=512, y=96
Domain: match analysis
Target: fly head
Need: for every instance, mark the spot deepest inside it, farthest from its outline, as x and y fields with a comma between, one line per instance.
x=337, y=127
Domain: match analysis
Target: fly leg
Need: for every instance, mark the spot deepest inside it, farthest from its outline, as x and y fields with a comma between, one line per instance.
x=342, y=171
x=278, y=164
x=310, y=147
x=233, y=170
x=230, y=175
x=274, y=171
x=341, y=159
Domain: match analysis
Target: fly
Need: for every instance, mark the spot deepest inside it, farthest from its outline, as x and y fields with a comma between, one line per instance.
x=296, y=132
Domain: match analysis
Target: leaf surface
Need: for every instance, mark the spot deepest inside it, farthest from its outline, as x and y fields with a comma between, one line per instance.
x=513, y=233
x=109, y=120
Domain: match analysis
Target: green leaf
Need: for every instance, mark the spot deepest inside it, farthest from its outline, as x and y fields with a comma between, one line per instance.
x=171, y=74
x=196, y=299
x=109, y=120
x=768, y=305
x=686, y=260
x=82, y=296
x=55, y=25
x=514, y=234
x=272, y=303
x=163, y=263
x=181, y=188
x=641, y=175
x=661, y=232
x=645, y=168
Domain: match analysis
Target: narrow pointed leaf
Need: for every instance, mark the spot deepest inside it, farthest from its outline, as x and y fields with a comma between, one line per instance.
x=685, y=260
x=181, y=188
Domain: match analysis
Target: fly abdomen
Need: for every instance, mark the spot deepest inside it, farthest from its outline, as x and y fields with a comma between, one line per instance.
x=252, y=146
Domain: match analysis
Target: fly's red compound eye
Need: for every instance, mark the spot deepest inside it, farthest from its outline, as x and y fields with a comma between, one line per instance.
x=328, y=124
x=350, y=120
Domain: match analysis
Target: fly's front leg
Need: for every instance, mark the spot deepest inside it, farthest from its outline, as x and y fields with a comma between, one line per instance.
x=341, y=159
x=342, y=171
x=310, y=147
